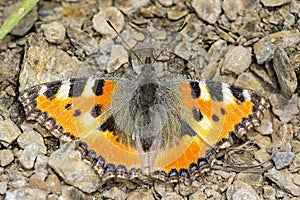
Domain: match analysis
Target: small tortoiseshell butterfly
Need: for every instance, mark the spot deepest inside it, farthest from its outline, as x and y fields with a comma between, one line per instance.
x=162, y=127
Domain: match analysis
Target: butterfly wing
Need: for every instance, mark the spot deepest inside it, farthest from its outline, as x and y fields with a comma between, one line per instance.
x=213, y=111
x=82, y=108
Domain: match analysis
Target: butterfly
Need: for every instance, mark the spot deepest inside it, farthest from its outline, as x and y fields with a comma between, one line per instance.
x=164, y=127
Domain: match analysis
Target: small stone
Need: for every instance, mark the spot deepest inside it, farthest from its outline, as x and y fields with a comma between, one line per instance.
x=282, y=159
x=26, y=193
x=295, y=146
x=115, y=17
x=30, y=136
x=265, y=47
x=6, y=157
x=3, y=187
x=212, y=194
x=130, y=6
x=269, y=192
x=252, y=179
x=284, y=180
x=198, y=196
x=8, y=132
x=208, y=10
x=262, y=156
x=237, y=60
x=166, y=2
x=42, y=63
x=73, y=170
x=230, y=8
x=29, y=154
x=115, y=193
x=118, y=57
x=17, y=179
x=295, y=7
x=68, y=192
x=273, y=3
x=266, y=127
x=296, y=179
x=284, y=108
x=26, y=23
x=172, y=196
x=53, y=184
x=250, y=81
x=82, y=41
x=54, y=32
x=177, y=12
x=192, y=29
x=285, y=72
x=240, y=190
x=140, y=196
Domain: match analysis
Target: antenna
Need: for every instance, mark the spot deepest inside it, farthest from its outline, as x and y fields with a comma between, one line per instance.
x=131, y=50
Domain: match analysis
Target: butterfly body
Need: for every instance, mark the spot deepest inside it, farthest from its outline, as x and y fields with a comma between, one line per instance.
x=158, y=126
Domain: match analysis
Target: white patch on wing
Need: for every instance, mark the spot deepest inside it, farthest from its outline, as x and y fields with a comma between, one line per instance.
x=228, y=98
x=63, y=92
x=87, y=119
x=204, y=91
x=43, y=89
x=246, y=95
x=88, y=91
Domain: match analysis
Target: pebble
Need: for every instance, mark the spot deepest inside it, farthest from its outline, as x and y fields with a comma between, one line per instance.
x=230, y=8
x=6, y=157
x=253, y=179
x=262, y=155
x=208, y=10
x=17, y=179
x=26, y=23
x=82, y=41
x=9, y=132
x=140, y=196
x=54, y=32
x=166, y=2
x=29, y=137
x=284, y=108
x=44, y=64
x=130, y=6
x=26, y=193
x=237, y=60
x=269, y=192
x=295, y=7
x=115, y=193
x=266, y=127
x=118, y=57
x=29, y=154
x=172, y=196
x=115, y=17
x=3, y=187
x=265, y=47
x=285, y=72
x=71, y=193
x=53, y=184
x=240, y=190
x=250, y=81
x=282, y=159
x=284, y=180
x=192, y=29
x=273, y=3
x=66, y=160
x=177, y=12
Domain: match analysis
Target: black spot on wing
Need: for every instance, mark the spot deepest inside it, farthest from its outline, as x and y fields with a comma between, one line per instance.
x=77, y=113
x=197, y=115
x=52, y=89
x=109, y=124
x=76, y=87
x=237, y=92
x=223, y=111
x=68, y=106
x=98, y=87
x=215, y=90
x=215, y=118
x=195, y=89
x=96, y=110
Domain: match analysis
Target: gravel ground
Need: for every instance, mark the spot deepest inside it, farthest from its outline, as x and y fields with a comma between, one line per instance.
x=254, y=44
